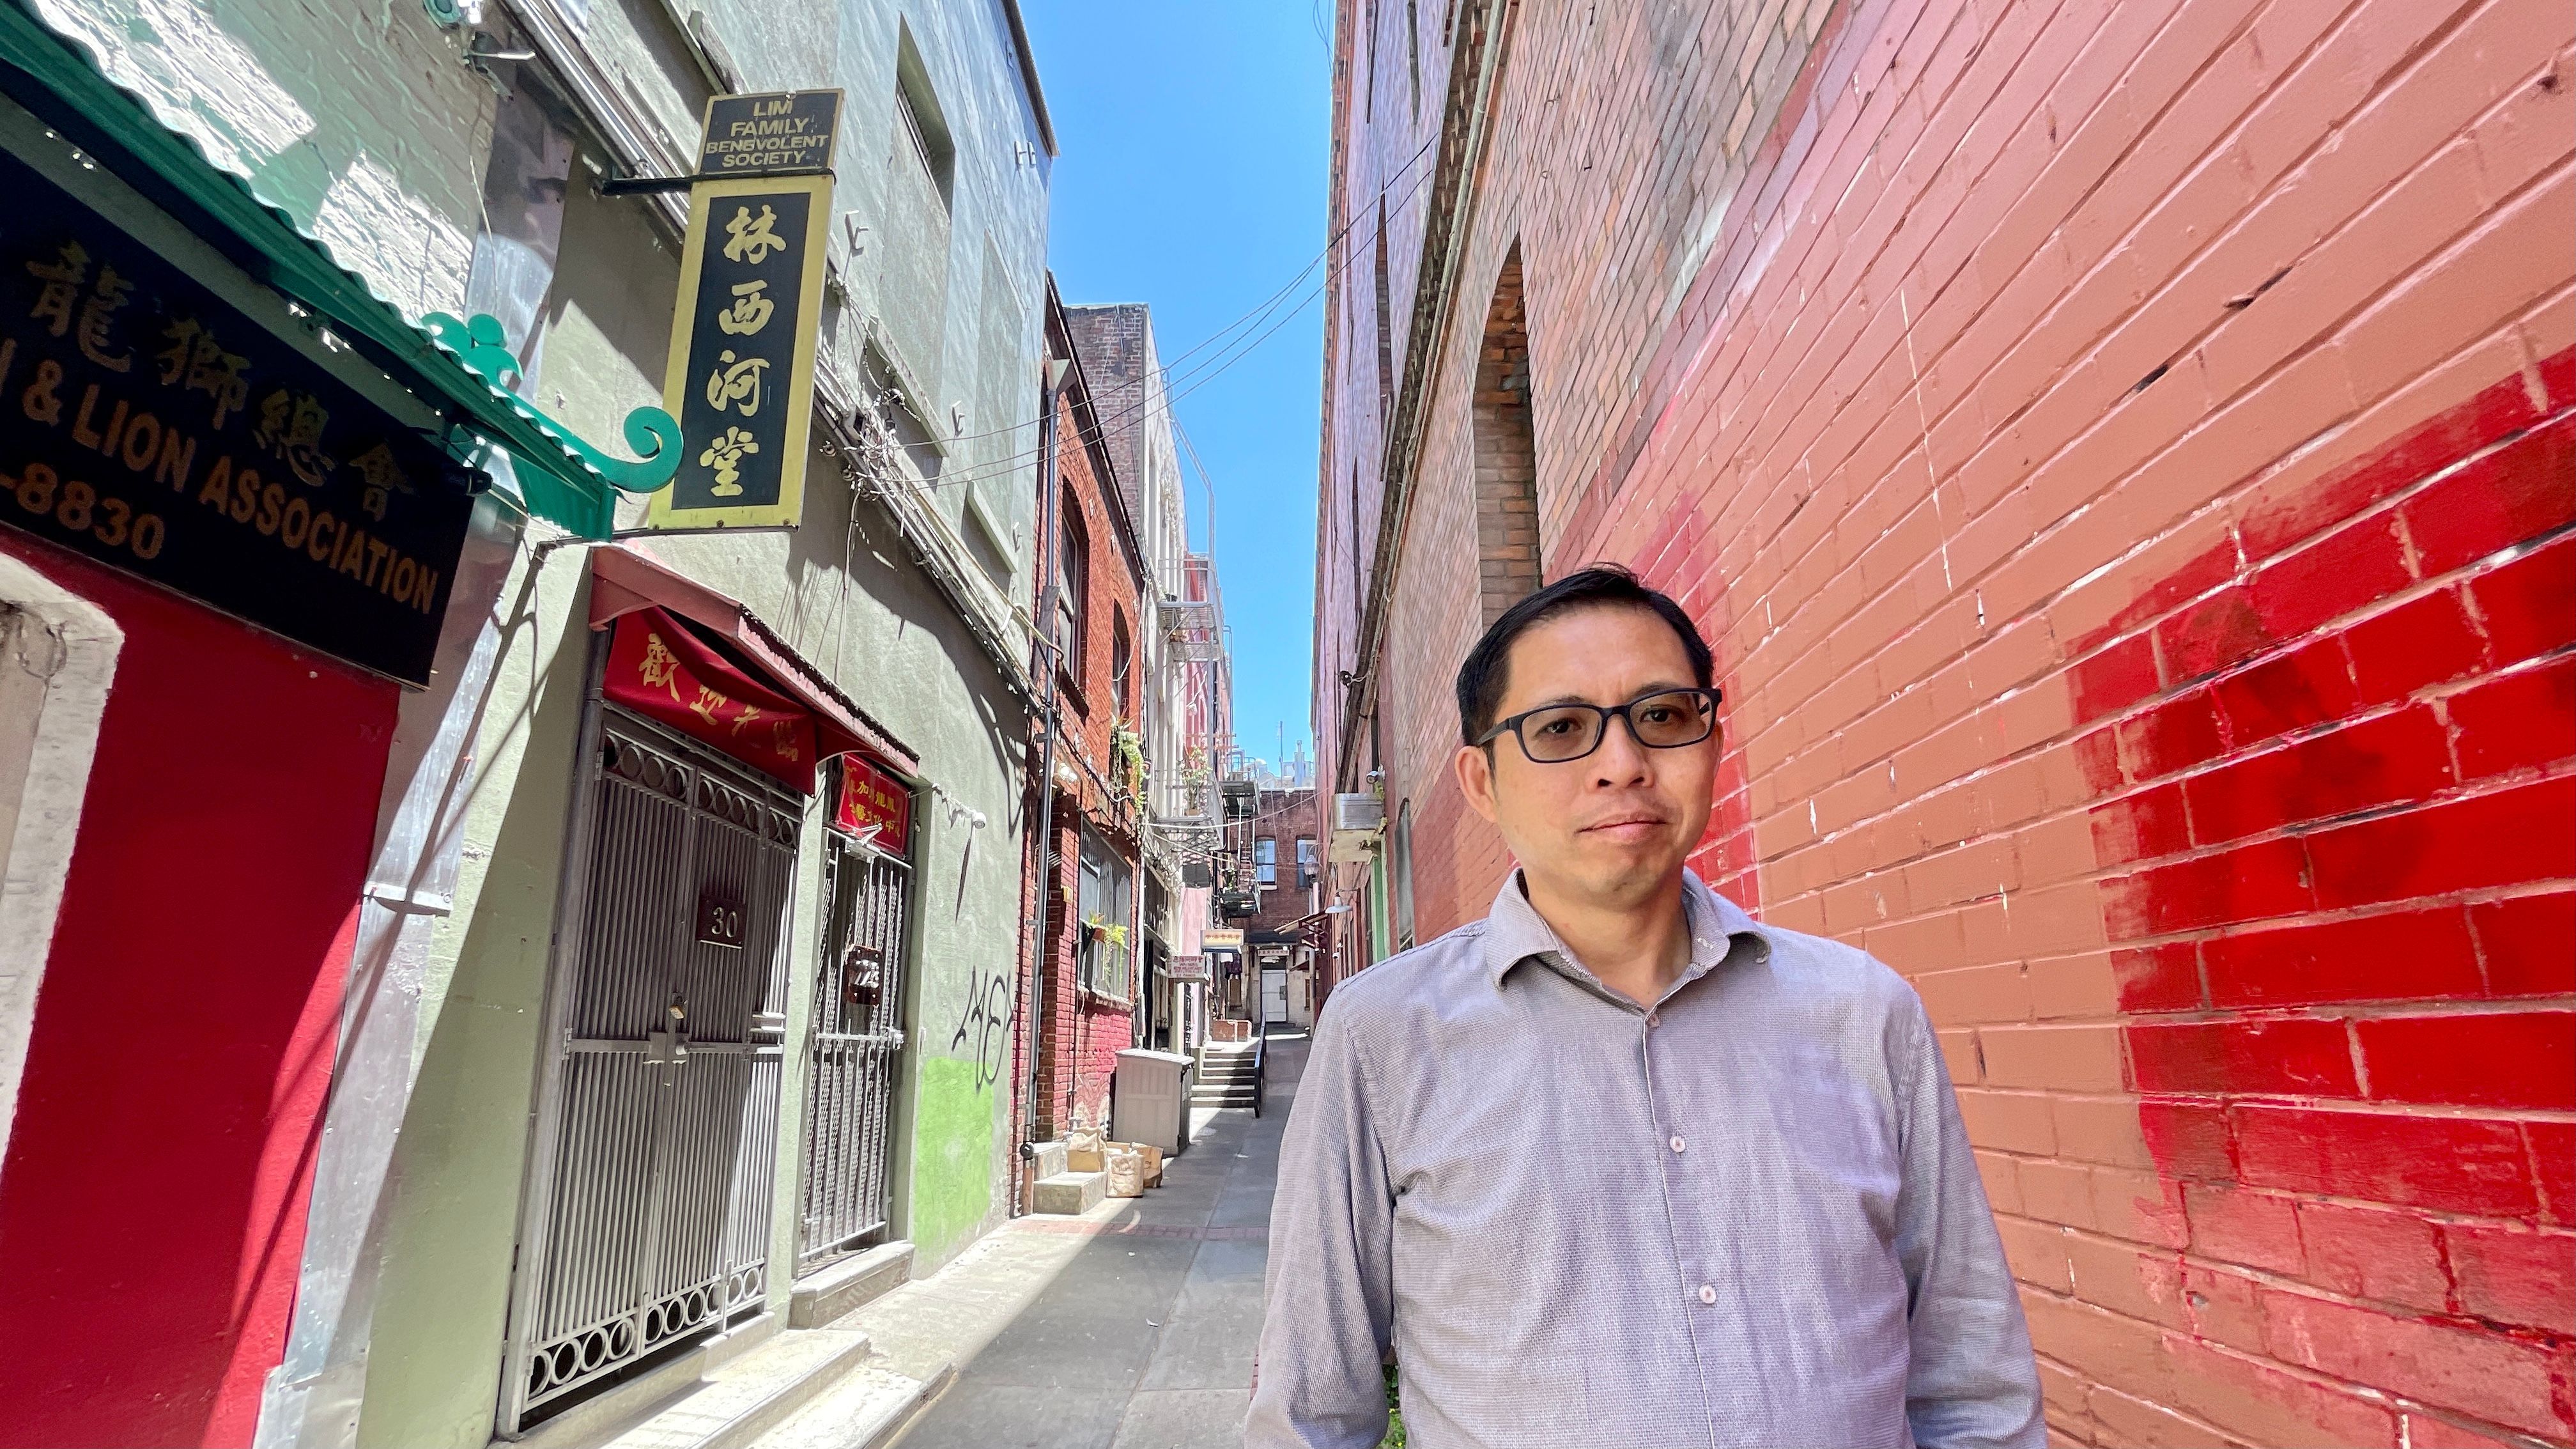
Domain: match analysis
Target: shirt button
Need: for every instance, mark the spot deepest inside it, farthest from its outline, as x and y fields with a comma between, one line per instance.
x=1707, y=1294
x=1652, y=1021
x=1680, y=1146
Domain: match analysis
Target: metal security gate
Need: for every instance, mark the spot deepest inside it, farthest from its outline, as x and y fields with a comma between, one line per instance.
x=648, y=1216
x=857, y=1045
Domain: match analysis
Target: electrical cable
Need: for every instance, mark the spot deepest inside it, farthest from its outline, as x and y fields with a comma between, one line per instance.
x=1177, y=385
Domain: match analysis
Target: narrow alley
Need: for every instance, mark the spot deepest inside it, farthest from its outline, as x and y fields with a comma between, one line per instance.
x=1130, y=1326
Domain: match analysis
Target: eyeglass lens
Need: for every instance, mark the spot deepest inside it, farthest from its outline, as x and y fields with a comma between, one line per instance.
x=1661, y=721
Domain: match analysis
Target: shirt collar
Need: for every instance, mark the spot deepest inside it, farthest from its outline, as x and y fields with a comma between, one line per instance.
x=1515, y=931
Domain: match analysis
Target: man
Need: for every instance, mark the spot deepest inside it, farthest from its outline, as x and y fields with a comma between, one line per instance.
x=1616, y=1167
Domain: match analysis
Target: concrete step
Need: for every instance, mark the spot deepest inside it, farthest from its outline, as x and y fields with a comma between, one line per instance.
x=737, y=1403
x=823, y=1296
x=871, y=1409
x=1047, y=1158
x=1070, y=1194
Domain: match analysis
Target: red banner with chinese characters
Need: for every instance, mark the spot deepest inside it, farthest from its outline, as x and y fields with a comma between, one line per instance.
x=870, y=796
x=659, y=669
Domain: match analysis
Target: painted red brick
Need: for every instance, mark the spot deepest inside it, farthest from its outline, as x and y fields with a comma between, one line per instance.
x=2248, y=883
x=2468, y=1165
x=2384, y=759
x=2158, y=978
x=2189, y=1139
x=2514, y=1275
x=2238, y=1225
x=2393, y=956
x=2521, y=1059
x=2529, y=943
x=2427, y=640
x=2278, y=1056
x=2377, y=1253
x=2553, y=1157
x=2496, y=838
x=2355, y=565
x=2528, y=606
x=2111, y=679
x=2516, y=721
x=2519, y=491
x=2259, y=1401
x=2293, y=690
x=2499, y=1379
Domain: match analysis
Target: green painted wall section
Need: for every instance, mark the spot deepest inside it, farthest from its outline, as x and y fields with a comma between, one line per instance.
x=952, y=1175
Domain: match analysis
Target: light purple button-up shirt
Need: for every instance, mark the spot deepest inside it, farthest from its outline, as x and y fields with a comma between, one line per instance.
x=1745, y=1216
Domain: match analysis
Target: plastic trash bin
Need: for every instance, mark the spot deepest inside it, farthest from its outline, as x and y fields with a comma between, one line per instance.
x=1149, y=1100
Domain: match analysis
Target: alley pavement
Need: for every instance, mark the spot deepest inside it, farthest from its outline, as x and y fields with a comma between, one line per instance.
x=1130, y=1327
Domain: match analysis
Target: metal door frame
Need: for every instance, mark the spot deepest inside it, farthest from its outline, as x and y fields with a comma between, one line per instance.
x=566, y=956
x=846, y=854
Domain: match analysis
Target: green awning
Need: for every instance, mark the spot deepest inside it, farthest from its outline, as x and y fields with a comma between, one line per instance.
x=71, y=94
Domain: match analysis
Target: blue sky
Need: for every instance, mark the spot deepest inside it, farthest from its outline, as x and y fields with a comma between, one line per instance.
x=1194, y=145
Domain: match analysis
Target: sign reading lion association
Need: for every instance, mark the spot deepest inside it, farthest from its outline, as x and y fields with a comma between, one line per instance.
x=741, y=377
x=149, y=424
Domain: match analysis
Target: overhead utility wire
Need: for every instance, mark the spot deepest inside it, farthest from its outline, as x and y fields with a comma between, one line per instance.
x=1194, y=378
x=1253, y=317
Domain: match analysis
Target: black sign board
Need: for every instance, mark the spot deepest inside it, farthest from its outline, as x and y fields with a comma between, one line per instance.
x=776, y=131
x=742, y=353
x=720, y=918
x=153, y=427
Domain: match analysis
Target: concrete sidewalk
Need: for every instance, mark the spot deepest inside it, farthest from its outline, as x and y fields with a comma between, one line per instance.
x=1130, y=1327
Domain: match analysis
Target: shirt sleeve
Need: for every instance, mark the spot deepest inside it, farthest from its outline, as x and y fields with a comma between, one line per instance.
x=1971, y=1381
x=1317, y=1379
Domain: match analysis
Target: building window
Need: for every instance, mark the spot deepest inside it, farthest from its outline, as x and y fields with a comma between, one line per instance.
x=1121, y=648
x=919, y=120
x=1072, y=588
x=1265, y=861
x=1308, y=865
x=1385, y=329
x=1507, y=552
x=1107, y=950
x=1400, y=873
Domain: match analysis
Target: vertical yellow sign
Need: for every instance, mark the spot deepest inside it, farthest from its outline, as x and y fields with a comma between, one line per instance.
x=741, y=376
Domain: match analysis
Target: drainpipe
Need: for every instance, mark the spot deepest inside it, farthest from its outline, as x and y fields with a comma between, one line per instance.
x=1041, y=962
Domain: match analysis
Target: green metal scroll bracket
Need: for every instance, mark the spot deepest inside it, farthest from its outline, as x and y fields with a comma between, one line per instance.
x=652, y=433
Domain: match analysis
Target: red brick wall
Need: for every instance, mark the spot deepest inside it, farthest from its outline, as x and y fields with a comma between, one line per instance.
x=2124, y=457
x=1081, y=1035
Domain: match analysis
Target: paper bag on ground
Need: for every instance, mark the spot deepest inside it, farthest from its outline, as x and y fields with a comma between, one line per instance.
x=1126, y=1171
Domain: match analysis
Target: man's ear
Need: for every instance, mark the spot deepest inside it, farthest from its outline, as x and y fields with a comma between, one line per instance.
x=1475, y=767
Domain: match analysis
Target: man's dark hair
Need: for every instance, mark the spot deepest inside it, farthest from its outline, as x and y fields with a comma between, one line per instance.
x=1486, y=674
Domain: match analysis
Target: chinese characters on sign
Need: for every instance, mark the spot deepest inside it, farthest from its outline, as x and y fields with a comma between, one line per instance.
x=741, y=377
x=871, y=796
x=662, y=670
x=151, y=425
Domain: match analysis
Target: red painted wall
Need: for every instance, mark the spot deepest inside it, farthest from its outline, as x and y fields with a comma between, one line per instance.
x=2122, y=457
x=152, y=1204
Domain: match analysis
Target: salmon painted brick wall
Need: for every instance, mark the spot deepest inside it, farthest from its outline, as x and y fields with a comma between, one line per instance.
x=2125, y=457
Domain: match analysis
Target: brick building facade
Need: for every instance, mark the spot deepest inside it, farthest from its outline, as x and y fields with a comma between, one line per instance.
x=1086, y=982
x=2123, y=459
x=1287, y=853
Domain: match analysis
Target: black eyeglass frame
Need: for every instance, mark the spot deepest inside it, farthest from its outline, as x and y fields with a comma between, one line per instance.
x=1711, y=698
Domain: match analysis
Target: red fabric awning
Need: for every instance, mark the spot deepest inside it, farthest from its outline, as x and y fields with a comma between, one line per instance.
x=624, y=580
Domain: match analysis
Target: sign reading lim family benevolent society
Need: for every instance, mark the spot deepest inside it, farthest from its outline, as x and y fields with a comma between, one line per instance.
x=780, y=131
x=741, y=377
x=154, y=428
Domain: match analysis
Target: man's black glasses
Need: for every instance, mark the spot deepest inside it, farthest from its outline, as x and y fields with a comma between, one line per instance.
x=1559, y=734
